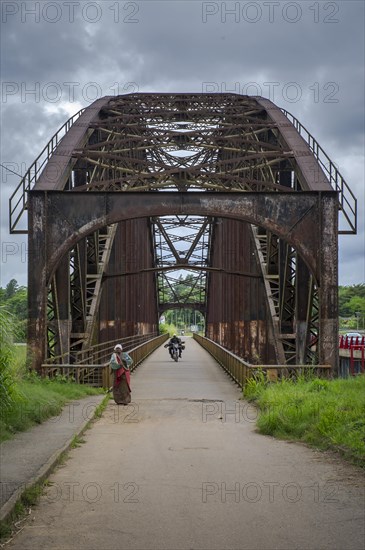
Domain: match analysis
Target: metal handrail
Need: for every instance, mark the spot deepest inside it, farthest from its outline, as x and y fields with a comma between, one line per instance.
x=236, y=367
x=85, y=373
x=347, y=199
x=18, y=200
x=241, y=370
x=100, y=352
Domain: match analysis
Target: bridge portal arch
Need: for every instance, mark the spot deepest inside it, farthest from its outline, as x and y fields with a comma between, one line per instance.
x=304, y=221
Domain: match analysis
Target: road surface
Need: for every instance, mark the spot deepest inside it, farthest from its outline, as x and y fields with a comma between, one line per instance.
x=183, y=468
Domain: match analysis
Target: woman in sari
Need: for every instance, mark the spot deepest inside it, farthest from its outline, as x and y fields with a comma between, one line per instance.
x=120, y=363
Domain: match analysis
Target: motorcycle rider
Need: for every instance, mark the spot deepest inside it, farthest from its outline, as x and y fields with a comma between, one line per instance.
x=175, y=340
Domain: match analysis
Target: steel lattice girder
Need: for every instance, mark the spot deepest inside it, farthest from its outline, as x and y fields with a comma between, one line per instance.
x=219, y=142
x=124, y=149
x=181, y=241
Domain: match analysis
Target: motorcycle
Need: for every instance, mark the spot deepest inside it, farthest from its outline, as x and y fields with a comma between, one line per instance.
x=174, y=349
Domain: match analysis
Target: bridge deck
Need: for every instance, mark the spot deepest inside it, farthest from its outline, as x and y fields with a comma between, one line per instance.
x=195, y=376
x=175, y=471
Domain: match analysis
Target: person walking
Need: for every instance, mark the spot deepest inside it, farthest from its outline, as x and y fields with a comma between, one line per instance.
x=120, y=363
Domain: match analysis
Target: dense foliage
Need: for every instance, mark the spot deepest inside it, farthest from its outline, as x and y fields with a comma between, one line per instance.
x=187, y=289
x=25, y=398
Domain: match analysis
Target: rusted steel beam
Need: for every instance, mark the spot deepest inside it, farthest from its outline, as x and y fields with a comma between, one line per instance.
x=177, y=305
x=293, y=217
x=328, y=281
x=37, y=282
x=184, y=266
x=125, y=119
x=312, y=176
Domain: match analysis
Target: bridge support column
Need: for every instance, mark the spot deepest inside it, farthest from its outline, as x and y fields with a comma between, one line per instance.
x=328, y=284
x=37, y=294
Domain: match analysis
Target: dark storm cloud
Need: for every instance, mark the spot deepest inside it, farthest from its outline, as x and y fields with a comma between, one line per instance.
x=305, y=56
x=31, y=127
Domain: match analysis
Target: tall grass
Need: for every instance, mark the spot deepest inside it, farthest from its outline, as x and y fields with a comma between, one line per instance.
x=8, y=391
x=327, y=414
x=38, y=400
x=25, y=398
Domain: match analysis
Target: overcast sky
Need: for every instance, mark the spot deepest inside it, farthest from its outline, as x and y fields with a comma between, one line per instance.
x=59, y=56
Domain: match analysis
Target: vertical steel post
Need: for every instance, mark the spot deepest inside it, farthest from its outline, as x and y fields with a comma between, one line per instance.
x=37, y=295
x=328, y=284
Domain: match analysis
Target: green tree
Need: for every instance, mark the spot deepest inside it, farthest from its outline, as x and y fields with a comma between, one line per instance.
x=17, y=304
x=11, y=289
x=351, y=301
x=357, y=305
x=346, y=294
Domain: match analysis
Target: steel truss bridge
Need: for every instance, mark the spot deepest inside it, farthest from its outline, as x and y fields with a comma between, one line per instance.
x=136, y=189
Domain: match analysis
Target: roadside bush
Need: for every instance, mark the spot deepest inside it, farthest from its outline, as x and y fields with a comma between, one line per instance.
x=8, y=391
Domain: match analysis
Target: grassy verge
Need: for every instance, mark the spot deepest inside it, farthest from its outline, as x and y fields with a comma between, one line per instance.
x=29, y=498
x=36, y=399
x=32, y=494
x=327, y=414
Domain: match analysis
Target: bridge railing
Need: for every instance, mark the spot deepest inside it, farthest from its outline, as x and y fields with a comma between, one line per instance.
x=347, y=200
x=100, y=353
x=236, y=367
x=352, y=355
x=99, y=374
x=241, y=371
x=18, y=200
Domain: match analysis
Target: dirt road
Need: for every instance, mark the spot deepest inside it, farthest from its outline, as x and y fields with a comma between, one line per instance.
x=183, y=468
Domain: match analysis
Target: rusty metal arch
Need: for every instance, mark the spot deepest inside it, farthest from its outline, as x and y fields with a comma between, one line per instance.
x=313, y=210
x=94, y=211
